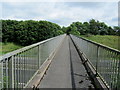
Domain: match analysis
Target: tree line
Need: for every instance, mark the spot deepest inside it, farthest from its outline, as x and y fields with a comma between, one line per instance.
x=93, y=27
x=30, y=31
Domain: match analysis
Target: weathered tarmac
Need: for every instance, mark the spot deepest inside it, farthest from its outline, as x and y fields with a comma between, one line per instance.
x=66, y=69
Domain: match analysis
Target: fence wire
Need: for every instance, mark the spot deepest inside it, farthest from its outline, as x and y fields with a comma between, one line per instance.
x=18, y=67
x=105, y=60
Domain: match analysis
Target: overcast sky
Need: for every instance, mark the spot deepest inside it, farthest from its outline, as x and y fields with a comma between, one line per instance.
x=62, y=13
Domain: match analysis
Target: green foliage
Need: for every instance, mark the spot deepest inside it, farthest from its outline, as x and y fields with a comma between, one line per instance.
x=109, y=40
x=93, y=27
x=8, y=47
x=117, y=30
x=28, y=32
x=73, y=30
x=59, y=32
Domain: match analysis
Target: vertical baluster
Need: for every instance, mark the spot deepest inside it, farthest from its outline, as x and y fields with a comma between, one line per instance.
x=32, y=61
x=28, y=63
x=20, y=70
x=113, y=67
x=17, y=80
x=93, y=55
x=19, y=73
x=1, y=75
x=114, y=74
x=112, y=71
x=24, y=69
x=116, y=59
x=99, y=67
x=33, y=53
x=110, y=67
x=118, y=74
x=102, y=58
x=107, y=65
x=6, y=73
x=105, y=69
x=25, y=66
x=11, y=72
x=38, y=56
x=39, y=60
x=15, y=72
x=36, y=66
x=97, y=60
x=35, y=57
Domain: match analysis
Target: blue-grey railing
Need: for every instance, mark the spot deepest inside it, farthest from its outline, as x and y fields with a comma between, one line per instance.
x=105, y=60
x=17, y=68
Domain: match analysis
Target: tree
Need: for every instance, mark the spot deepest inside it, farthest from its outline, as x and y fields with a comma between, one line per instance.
x=72, y=29
x=94, y=27
x=28, y=32
x=103, y=28
x=117, y=30
x=110, y=31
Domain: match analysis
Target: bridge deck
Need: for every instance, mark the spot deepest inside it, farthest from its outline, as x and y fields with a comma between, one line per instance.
x=66, y=69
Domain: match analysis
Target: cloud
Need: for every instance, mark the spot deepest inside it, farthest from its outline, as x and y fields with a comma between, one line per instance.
x=63, y=13
x=59, y=0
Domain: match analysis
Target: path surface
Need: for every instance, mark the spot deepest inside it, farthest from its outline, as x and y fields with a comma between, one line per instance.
x=66, y=69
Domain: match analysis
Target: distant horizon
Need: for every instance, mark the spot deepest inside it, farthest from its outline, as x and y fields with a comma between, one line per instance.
x=57, y=23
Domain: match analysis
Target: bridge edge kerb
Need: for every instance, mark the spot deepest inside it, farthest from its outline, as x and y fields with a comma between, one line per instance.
x=96, y=80
x=44, y=68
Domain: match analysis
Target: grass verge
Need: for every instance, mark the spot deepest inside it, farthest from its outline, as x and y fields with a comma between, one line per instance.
x=8, y=47
x=108, y=40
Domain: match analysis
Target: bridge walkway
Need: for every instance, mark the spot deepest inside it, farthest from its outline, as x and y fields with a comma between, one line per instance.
x=66, y=69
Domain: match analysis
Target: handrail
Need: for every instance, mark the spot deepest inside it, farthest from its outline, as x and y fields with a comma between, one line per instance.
x=24, y=49
x=98, y=44
x=106, y=61
x=18, y=67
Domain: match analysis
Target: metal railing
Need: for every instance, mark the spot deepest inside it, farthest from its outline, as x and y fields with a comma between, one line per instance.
x=18, y=67
x=104, y=60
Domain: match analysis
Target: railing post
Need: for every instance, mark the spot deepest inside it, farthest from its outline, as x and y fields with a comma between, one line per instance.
x=97, y=60
x=1, y=75
x=118, y=77
x=11, y=72
x=39, y=56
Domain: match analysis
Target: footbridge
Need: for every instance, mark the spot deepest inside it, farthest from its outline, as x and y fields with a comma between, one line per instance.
x=65, y=61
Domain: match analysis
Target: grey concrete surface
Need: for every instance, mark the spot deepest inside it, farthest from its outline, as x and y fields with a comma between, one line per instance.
x=66, y=69
x=80, y=78
x=59, y=74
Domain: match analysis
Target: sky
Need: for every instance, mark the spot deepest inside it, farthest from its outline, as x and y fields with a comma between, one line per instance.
x=62, y=13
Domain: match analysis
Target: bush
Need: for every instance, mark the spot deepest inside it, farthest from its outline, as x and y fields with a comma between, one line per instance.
x=28, y=32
